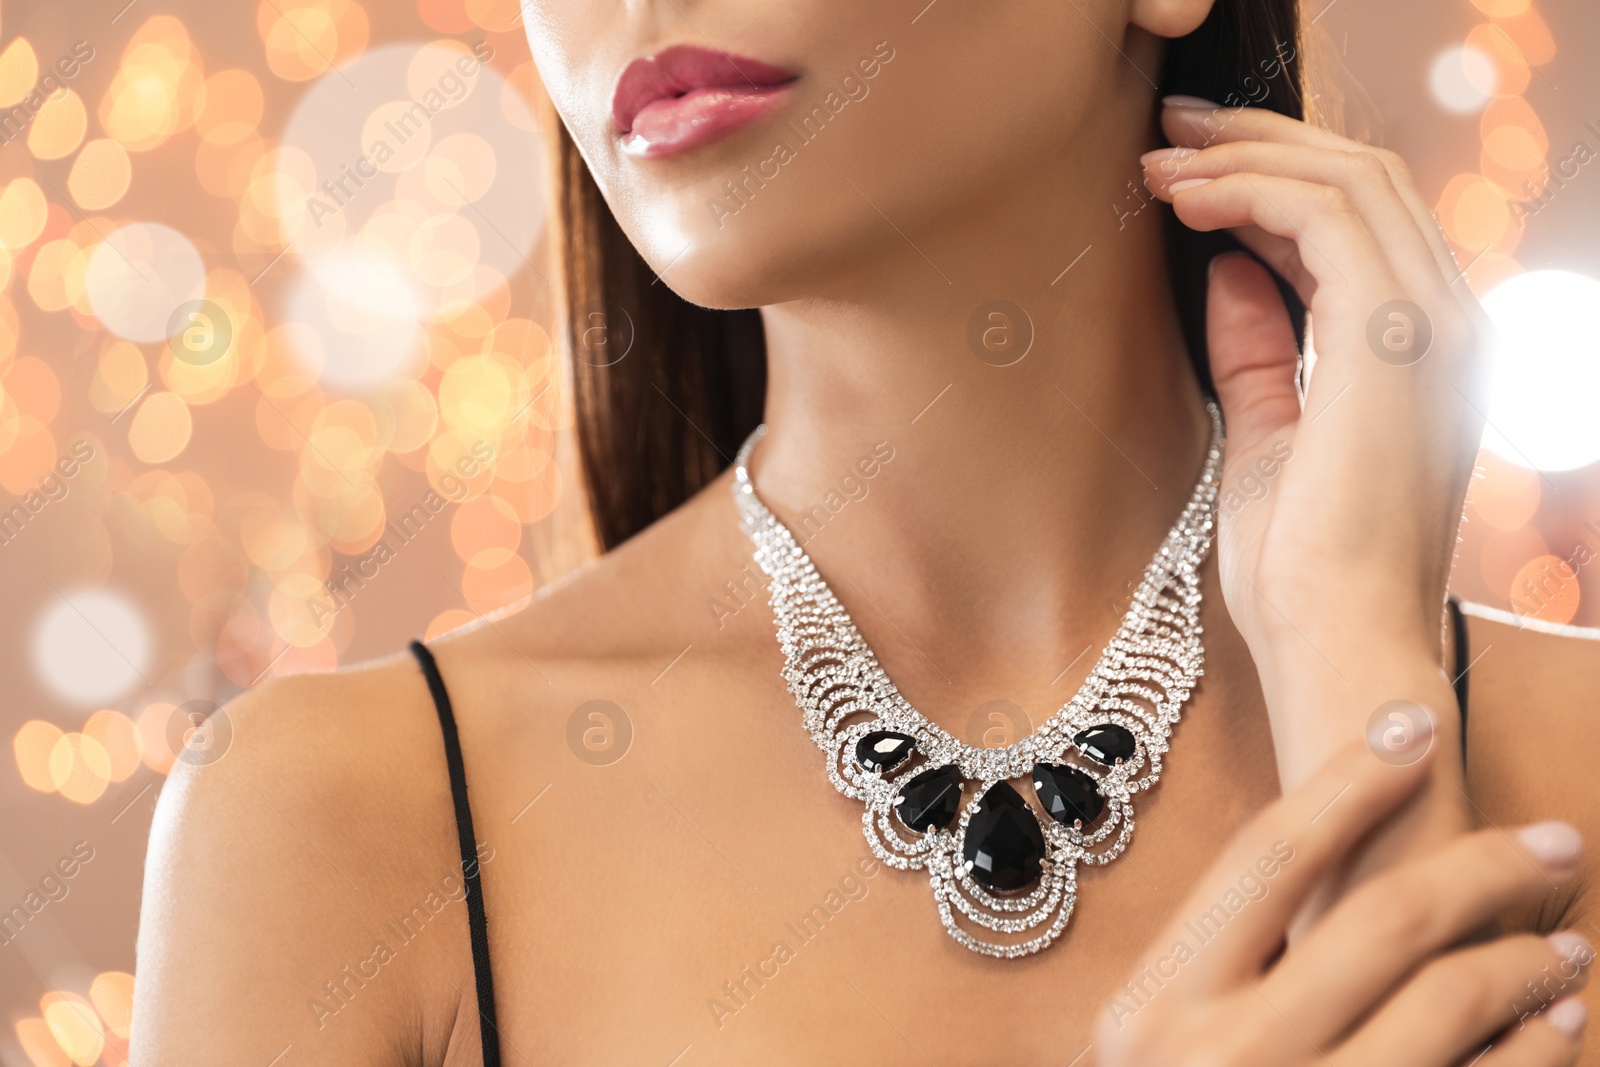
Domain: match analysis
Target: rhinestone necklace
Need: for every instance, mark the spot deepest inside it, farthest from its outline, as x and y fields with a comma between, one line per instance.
x=996, y=867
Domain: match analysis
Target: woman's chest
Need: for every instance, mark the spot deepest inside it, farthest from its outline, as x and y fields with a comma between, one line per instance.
x=680, y=883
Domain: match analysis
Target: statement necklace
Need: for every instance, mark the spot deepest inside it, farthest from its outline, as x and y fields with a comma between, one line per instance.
x=1004, y=879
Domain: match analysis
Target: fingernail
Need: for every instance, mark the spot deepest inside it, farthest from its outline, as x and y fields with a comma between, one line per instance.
x=1572, y=947
x=1190, y=183
x=1568, y=1016
x=1162, y=154
x=1190, y=101
x=1558, y=844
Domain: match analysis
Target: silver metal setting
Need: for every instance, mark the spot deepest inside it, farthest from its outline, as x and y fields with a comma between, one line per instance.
x=1141, y=681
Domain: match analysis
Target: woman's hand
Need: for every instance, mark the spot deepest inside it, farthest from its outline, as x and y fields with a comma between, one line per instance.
x=1337, y=522
x=1381, y=980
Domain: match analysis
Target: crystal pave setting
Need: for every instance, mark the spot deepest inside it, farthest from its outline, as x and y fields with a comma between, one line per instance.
x=925, y=793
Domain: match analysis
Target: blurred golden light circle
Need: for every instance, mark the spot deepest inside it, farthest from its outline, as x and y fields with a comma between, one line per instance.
x=485, y=532
x=153, y=720
x=120, y=375
x=100, y=175
x=59, y=276
x=119, y=736
x=233, y=106
x=23, y=211
x=74, y=1025
x=1531, y=35
x=1476, y=214
x=80, y=767
x=414, y=414
x=496, y=16
x=301, y=610
x=19, y=72
x=435, y=68
x=112, y=995
x=32, y=748
x=447, y=620
x=1546, y=589
x=1511, y=71
x=32, y=385
x=39, y=1044
x=58, y=127
x=161, y=428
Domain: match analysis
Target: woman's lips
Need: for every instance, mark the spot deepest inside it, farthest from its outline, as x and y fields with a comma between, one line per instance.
x=685, y=96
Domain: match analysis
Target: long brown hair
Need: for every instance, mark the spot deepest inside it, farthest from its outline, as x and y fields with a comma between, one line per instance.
x=656, y=424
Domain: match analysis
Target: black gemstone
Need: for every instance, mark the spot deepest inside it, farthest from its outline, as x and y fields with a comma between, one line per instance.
x=1004, y=841
x=1107, y=743
x=1069, y=796
x=884, y=750
x=931, y=799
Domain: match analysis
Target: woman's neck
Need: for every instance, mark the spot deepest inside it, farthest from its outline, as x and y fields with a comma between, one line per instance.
x=1021, y=500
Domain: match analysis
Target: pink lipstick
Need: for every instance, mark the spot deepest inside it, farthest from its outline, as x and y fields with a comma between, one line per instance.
x=685, y=96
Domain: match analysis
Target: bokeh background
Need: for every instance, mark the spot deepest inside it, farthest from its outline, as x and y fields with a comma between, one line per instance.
x=278, y=389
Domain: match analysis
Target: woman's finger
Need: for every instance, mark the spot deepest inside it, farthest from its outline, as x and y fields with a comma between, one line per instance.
x=1551, y=1038
x=1253, y=351
x=1458, y=1002
x=1361, y=175
x=1234, y=920
x=1198, y=127
x=1385, y=926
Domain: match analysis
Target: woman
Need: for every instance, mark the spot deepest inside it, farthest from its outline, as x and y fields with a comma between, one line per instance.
x=987, y=342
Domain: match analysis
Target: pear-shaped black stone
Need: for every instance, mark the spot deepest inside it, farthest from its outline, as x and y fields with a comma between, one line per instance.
x=1005, y=843
x=1107, y=743
x=884, y=750
x=930, y=799
x=1069, y=796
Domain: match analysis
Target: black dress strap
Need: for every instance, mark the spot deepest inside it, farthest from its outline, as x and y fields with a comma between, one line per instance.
x=1463, y=649
x=477, y=920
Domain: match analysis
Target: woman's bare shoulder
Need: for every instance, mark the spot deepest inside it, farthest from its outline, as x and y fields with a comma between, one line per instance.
x=1533, y=734
x=280, y=863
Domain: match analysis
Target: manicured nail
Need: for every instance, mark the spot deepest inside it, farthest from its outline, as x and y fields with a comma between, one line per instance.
x=1191, y=101
x=1572, y=947
x=1189, y=183
x=1161, y=154
x=1568, y=1016
x=1558, y=844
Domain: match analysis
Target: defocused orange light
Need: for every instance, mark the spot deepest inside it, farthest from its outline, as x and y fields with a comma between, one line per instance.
x=39, y=1044
x=1499, y=9
x=1531, y=34
x=32, y=385
x=19, y=72
x=80, y=769
x=1476, y=214
x=75, y=1026
x=233, y=106
x=496, y=16
x=1512, y=72
x=112, y=995
x=58, y=127
x=119, y=376
x=58, y=277
x=100, y=175
x=485, y=532
x=161, y=428
x=119, y=737
x=493, y=588
x=32, y=747
x=1546, y=589
x=23, y=211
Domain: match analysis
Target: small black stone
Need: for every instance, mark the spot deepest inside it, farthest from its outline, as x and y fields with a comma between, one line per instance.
x=1069, y=796
x=1107, y=743
x=1005, y=843
x=930, y=799
x=884, y=750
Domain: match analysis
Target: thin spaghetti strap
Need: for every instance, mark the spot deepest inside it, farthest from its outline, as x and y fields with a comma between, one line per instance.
x=1458, y=627
x=477, y=920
